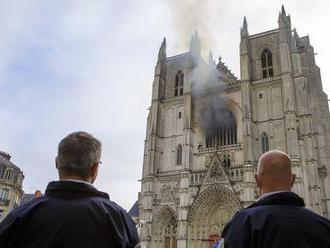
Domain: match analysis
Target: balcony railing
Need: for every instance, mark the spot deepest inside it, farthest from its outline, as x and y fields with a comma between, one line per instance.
x=219, y=148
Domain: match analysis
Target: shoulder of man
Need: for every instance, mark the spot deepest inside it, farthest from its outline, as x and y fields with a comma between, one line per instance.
x=241, y=226
x=255, y=217
x=241, y=216
x=9, y=226
x=19, y=212
x=320, y=219
x=127, y=221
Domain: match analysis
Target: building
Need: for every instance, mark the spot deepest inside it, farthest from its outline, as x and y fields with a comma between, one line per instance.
x=29, y=197
x=206, y=130
x=134, y=212
x=11, y=179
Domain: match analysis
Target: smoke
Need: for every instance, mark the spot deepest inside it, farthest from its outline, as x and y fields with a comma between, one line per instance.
x=209, y=102
x=191, y=20
x=189, y=16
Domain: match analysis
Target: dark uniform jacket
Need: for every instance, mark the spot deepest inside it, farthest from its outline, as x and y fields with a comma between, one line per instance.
x=70, y=214
x=279, y=220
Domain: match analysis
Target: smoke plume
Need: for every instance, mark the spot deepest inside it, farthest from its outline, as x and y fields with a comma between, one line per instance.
x=191, y=21
x=189, y=16
x=209, y=101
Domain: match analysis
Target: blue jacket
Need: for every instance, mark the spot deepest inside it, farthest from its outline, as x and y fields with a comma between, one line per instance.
x=279, y=220
x=70, y=214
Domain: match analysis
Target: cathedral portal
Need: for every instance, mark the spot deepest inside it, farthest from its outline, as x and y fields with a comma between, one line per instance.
x=213, y=208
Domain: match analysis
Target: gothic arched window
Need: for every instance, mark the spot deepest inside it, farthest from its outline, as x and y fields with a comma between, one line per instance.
x=222, y=130
x=264, y=142
x=179, y=155
x=178, y=89
x=226, y=161
x=267, y=63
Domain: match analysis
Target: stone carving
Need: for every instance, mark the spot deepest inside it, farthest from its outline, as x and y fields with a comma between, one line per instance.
x=215, y=172
x=166, y=195
x=239, y=189
x=246, y=112
x=169, y=193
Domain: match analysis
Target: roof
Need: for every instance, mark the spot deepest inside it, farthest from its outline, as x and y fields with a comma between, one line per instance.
x=179, y=56
x=228, y=75
x=26, y=198
x=5, y=160
x=134, y=211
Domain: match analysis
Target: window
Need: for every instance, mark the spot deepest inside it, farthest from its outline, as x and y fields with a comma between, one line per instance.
x=264, y=142
x=4, y=194
x=179, y=155
x=15, y=177
x=9, y=174
x=260, y=96
x=179, y=115
x=178, y=89
x=223, y=130
x=226, y=161
x=2, y=170
x=267, y=64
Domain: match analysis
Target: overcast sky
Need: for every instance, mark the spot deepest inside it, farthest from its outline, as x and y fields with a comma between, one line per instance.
x=89, y=65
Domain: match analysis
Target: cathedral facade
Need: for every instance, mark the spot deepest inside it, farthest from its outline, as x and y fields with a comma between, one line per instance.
x=204, y=139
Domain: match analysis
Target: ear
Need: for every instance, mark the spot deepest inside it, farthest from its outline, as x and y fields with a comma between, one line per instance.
x=257, y=180
x=56, y=162
x=94, y=171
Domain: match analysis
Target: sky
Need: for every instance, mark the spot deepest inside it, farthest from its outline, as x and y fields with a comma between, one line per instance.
x=70, y=65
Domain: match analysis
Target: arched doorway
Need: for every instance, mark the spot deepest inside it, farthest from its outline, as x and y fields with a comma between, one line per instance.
x=211, y=210
x=165, y=228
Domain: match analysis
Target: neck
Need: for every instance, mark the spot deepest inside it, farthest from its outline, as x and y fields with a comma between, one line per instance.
x=74, y=178
x=265, y=191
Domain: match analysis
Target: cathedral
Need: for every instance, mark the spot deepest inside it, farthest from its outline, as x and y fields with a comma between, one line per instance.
x=206, y=130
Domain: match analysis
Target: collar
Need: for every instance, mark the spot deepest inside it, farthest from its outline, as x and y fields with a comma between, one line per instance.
x=279, y=198
x=77, y=181
x=269, y=193
x=74, y=187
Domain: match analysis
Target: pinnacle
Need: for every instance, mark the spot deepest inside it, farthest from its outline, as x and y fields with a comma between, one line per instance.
x=283, y=10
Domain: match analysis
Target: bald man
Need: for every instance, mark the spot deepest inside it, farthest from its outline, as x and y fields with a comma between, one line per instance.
x=279, y=217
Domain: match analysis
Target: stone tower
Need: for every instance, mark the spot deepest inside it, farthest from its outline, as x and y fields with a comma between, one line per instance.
x=206, y=130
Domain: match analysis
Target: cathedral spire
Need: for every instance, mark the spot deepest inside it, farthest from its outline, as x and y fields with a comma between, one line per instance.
x=295, y=40
x=283, y=10
x=195, y=44
x=162, y=51
x=295, y=34
x=283, y=19
x=244, y=29
x=211, y=60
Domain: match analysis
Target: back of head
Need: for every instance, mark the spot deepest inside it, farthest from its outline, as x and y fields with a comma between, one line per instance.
x=77, y=153
x=274, y=172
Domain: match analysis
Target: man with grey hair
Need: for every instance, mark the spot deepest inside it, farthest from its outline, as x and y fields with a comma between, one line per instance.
x=72, y=213
x=279, y=217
